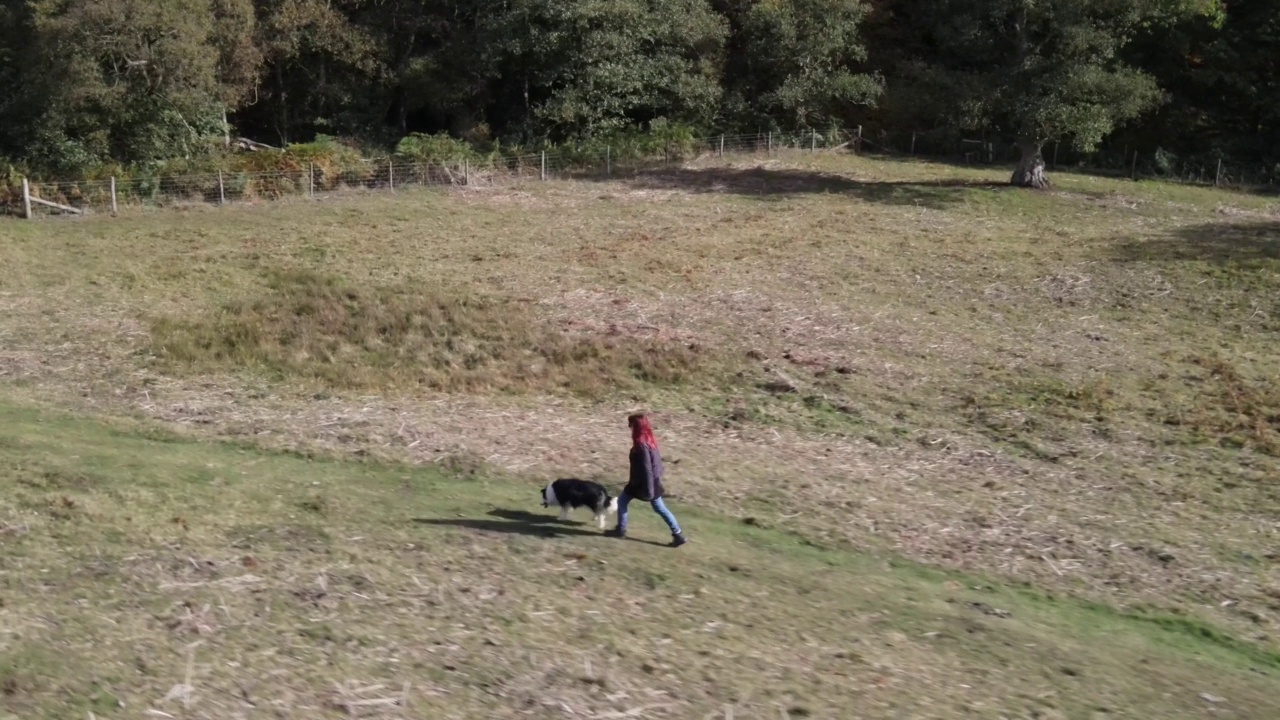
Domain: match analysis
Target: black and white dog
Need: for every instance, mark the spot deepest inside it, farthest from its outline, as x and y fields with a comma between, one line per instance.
x=572, y=493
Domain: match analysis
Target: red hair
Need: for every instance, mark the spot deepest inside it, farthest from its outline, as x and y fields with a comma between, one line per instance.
x=641, y=431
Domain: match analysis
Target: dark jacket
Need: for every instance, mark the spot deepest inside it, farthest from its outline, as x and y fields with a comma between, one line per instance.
x=646, y=473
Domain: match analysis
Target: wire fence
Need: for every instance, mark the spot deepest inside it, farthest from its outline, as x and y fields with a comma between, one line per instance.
x=326, y=177
x=1113, y=158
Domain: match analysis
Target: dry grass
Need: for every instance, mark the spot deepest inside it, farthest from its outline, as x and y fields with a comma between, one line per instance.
x=1234, y=411
x=1075, y=389
x=152, y=576
x=311, y=327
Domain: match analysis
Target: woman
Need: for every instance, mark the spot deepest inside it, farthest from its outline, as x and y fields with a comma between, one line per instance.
x=646, y=480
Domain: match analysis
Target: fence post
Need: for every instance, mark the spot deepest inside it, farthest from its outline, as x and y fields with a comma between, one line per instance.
x=26, y=198
x=1217, y=176
x=1133, y=170
x=391, y=173
x=466, y=171
x=311, y=180
x=857, y=142
x=769, y=147
x=222, y=191
x=115, y=208
x=1056, y=143
x=722, y=145
x=543, y=171
x=813, y=141
x=608, y=160
x=913, y=142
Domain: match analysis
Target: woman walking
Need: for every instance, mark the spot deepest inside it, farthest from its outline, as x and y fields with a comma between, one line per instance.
x=646, y=480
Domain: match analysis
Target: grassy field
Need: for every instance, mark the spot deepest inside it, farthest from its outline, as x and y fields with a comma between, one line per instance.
x=148, y=572
x=943, y=448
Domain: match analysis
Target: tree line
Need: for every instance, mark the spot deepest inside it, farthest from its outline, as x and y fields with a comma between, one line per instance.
x=89, y=82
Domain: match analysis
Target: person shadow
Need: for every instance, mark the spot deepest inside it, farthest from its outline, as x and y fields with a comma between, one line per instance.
x=522, y=522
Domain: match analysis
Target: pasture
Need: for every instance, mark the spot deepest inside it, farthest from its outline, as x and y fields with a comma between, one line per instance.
x=942, y=449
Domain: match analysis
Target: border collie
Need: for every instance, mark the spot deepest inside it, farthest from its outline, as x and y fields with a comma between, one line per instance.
x=572, y=493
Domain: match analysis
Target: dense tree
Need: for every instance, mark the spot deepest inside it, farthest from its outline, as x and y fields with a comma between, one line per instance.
x=414, y=41
x=84, y=82
x=793, y=62
x=1033, y=70
x=1223, y=82
x=16, y=98
x=319, y=68
x=138, y=79
x=565, y=68
x=240, y=59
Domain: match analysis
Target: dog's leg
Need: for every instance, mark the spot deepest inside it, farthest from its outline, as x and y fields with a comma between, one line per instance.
x=564, y=512
x=600, y=519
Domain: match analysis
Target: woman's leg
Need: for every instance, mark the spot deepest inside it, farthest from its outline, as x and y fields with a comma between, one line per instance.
x=623, y=501
x=661, y=508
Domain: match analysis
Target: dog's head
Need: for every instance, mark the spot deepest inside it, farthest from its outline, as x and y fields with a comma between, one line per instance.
x=547, y=496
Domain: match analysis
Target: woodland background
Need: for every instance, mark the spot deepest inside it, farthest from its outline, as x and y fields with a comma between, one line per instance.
x=89, y=87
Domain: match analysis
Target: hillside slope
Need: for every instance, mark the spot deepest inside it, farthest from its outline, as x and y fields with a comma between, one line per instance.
x=144, y=571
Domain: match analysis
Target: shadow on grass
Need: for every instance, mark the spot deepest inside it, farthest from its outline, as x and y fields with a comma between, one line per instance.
x=783, y=182
x=521, y=522
x=1240, y=243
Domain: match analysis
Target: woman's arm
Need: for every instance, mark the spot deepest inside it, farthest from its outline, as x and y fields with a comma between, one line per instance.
x=652, y=468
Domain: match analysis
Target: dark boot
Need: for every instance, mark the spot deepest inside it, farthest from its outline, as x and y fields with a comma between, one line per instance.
x=678, y=539
x=616, y=533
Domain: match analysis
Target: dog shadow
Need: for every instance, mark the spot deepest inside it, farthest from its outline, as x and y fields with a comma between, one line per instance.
x=522, y=522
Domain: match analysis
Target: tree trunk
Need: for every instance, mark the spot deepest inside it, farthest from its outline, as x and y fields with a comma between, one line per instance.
x=1030, y=171
x=282, y=107
x=403, y=63
x=402, y=110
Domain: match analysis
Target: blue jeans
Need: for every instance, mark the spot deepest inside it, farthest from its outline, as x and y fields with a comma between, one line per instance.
x=658, y=506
